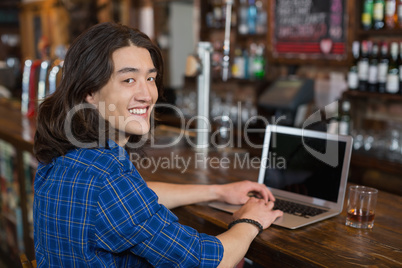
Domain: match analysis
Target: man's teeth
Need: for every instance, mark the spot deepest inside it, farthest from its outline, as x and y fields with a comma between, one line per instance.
x=138, y=111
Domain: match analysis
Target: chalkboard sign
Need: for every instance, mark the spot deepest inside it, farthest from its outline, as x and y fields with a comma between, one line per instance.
x=308, y=29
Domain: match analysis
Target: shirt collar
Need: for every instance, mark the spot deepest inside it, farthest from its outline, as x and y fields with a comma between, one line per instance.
x=112, y=144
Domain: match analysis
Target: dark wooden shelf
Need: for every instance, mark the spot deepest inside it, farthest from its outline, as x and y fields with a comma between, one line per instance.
x=372, y=95
x=381, y=32
x=373, y=162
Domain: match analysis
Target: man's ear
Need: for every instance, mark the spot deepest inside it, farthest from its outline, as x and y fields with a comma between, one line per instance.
x=90, y=98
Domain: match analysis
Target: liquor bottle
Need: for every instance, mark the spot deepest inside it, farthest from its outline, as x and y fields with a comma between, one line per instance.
x=399, y=12
x=383, y=68
x=367, y=15
x=259, y=63
x=252, y=54
x=246, y=57
x=345, y=119
x=243, y=26
x=363, y=66
x=353, y=78
x=209, y=17
x=390, y=14
x=261, y=18
x=393, y=71
x=373, y=69
x=252, y=17
x=378, y=14
x=217, y=13
x=238, y=64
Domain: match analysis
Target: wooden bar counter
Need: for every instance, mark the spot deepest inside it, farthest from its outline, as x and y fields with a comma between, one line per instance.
x=324, y=244
x=329, y=243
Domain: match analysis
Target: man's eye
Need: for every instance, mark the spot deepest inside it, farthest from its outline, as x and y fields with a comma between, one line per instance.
x=129, y=80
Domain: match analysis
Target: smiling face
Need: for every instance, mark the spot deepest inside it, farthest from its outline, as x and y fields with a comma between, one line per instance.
x=128, y=98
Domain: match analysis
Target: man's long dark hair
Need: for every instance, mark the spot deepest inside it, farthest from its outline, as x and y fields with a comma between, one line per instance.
x=88, y=66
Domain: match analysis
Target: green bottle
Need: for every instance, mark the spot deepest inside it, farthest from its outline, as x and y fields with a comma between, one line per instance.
x=259, y=63
x=378, y=14
x=367, y=14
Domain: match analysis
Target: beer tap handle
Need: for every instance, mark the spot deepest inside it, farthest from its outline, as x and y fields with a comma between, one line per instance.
x=33, y=82
x=25, y=86
x=53, y=76
x=44, y=68
x=226, y=43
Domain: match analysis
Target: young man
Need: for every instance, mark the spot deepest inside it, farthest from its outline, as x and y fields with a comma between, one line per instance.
x=92, y=208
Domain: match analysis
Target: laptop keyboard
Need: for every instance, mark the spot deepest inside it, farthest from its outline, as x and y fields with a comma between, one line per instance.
x=297, y=209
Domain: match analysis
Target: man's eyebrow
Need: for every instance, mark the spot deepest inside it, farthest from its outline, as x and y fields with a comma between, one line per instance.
x=134, y=70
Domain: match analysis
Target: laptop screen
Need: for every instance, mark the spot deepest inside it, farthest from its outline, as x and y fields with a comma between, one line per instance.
x=291, y=165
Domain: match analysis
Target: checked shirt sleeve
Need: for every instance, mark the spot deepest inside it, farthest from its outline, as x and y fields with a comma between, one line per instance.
x=130, y=218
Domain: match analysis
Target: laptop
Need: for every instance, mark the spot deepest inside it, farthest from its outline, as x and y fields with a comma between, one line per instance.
x=307, y=172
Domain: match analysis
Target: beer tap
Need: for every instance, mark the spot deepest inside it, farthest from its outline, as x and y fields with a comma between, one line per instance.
x=203, y=89
x=29, y=87
x=57, y=66
x=33, y=88
x=201, y=66
x=25, y=86
x=226, y=43
x=60, y=53
x=44, y=68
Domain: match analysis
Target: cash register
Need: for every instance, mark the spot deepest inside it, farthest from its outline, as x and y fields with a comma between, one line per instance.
x=285, y=96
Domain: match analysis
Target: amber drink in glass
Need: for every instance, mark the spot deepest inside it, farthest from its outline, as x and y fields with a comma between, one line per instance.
x=362, y=201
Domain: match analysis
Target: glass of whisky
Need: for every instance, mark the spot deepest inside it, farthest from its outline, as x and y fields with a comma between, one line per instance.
x=362, y=201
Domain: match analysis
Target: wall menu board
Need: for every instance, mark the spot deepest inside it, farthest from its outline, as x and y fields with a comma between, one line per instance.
x=308, y=29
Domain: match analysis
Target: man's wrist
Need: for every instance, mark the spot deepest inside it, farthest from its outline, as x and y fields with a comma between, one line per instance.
x=216, y=192
x=250, y=221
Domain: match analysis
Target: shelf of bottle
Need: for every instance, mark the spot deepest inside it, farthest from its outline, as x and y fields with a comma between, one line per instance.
x=382, y=32
x=372, y=95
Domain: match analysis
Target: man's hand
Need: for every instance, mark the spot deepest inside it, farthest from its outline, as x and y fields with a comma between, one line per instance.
x=238, y=193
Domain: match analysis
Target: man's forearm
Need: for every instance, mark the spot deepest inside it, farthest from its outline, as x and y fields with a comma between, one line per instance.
x=175, y=195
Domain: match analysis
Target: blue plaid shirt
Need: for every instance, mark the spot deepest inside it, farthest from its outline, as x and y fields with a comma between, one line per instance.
x=93, y=209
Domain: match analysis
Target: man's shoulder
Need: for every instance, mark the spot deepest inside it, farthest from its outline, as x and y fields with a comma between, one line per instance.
x=104, y=160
